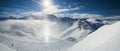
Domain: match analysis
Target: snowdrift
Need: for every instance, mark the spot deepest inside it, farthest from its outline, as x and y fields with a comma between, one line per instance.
x=106, y=38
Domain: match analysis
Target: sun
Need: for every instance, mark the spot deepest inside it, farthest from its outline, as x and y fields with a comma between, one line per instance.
x=49, y=7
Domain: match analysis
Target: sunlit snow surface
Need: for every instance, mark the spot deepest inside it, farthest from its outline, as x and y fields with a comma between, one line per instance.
x=105, y=38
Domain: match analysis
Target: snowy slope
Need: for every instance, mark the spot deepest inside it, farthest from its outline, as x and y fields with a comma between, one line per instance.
x=80, y=29
x=106, y=38
x=75, y=32
x=5, y=48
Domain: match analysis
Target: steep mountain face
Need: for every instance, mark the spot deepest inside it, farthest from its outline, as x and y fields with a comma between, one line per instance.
x=92, y=24
x=80, y=29
x=106, y=38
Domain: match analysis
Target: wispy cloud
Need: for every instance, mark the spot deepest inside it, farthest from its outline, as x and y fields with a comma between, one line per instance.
x=7, y=14
x=86, y=15
x=50, y=8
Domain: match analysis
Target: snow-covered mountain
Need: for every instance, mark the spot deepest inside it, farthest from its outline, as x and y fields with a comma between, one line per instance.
x=30, y=33
x=81, y=28
x=105, y=38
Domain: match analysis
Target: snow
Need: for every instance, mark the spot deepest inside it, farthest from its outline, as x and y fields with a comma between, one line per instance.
x=75, y=33
x=28, y=35
x=80, y=29
x=5, y=48
x=106, y=38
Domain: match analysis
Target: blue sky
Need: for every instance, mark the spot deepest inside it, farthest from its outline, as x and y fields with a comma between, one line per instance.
x=21, y=7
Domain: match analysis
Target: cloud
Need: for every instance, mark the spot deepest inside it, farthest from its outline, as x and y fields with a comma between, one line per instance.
x=7, y=14
x=86, y=15
x=32, y=28
x=22, y=28
x=12, y=12
x=62, y=15
x=36, y=14
x=50, y=8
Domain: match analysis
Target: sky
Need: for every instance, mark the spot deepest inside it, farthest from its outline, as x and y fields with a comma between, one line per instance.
x=19, y=8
